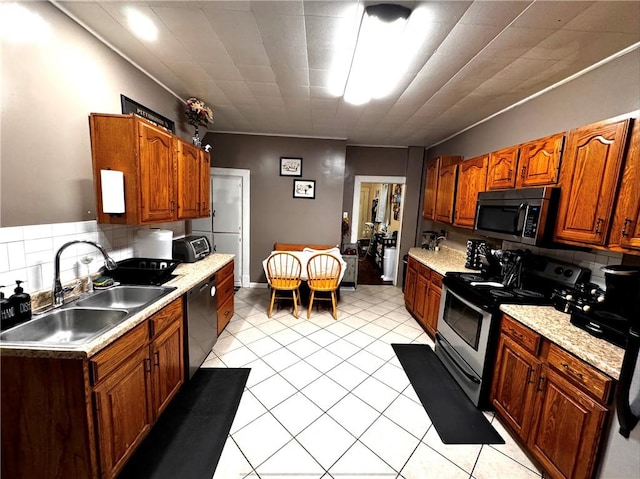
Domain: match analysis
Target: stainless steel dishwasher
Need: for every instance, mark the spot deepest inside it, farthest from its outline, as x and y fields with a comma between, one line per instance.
x=202, y=323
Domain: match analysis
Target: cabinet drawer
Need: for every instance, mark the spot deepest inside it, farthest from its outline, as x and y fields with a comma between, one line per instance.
x=113, y=355
x=577, y=371
x=225, y=313
x=424, y=271
x=167, y=315
x=521, y=334
x=436, y=279
x=224, y=272
x=413, y=263
x=224, y=289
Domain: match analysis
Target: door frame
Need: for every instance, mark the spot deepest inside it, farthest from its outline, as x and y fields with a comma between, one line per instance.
x=355, y=208
x=246, y=216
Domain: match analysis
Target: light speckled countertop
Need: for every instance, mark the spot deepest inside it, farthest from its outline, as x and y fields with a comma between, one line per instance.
x=545, y=320
x=446, y=259
x=188, y=275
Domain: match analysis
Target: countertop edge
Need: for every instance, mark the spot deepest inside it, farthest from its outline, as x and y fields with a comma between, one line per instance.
x=188, y=275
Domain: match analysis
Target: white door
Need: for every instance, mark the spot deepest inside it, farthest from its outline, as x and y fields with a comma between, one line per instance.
x=227, y=228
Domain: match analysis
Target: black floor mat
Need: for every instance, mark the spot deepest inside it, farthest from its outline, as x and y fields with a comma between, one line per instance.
x=187, y=440
x=452, y=413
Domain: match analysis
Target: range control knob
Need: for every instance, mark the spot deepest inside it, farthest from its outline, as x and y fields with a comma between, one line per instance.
x=568, y=297
x=558, y=270
x=600, y=298
x=568, y=273
x=586, y=308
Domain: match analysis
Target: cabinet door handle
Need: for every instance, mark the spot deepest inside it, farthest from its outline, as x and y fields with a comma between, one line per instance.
x=156, y=356
x=571, y=371
x=509, y=174
x=522, y=173
x=530, y=376
x=540, y=383
x=599, y=226
x=624, y=227
x=147, y=365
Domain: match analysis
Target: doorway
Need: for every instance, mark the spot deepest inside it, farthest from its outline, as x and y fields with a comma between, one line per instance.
x=378, y=204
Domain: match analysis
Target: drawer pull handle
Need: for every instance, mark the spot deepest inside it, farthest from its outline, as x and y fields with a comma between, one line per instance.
x=573, y=372
x=516, y=334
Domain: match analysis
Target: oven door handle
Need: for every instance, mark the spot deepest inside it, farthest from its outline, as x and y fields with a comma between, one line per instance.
x=443, y=346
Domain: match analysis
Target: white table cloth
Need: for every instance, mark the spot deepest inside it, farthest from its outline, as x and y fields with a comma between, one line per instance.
x=304, y=256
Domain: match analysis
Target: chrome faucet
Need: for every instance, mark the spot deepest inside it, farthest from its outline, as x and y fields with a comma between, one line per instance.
x=57, y=295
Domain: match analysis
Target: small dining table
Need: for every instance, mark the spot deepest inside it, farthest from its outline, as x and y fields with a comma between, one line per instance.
x=304, y=257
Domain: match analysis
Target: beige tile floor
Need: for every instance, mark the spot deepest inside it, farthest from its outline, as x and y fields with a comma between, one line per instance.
x=329, y=399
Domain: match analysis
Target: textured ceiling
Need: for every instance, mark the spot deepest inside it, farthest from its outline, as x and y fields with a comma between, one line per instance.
x=263, y=66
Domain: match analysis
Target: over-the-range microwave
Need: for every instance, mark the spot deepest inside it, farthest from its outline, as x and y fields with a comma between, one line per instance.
x=524, y=215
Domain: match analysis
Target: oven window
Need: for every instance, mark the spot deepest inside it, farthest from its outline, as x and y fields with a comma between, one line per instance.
x=503, y=219
x=465, y=321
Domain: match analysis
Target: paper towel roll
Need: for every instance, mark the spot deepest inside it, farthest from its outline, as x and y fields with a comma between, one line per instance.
x=153, y=243
x=112, y=184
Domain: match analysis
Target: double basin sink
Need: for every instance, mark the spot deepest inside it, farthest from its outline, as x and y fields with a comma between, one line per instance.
x=85, y=319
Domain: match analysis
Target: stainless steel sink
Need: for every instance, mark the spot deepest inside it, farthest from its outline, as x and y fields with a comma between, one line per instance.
x=126, y=297
x=83, y=320
x=65, y=327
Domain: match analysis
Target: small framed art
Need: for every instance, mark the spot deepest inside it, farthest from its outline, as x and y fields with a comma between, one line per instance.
x=290, y=166
x=304, y=189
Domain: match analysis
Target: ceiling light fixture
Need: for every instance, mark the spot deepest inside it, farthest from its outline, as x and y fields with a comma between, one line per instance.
x=141, y=25
x=377, y=59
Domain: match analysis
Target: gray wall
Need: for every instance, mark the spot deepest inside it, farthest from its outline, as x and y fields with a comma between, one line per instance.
x=48, y=90
x=606, y=92
x=275, y=214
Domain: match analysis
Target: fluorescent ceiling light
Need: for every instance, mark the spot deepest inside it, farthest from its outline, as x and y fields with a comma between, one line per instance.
x=379, y=60
x=141, y=25
x=20, y=25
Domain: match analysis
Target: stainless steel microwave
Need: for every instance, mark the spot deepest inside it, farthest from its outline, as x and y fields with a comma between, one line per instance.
x=524, y=215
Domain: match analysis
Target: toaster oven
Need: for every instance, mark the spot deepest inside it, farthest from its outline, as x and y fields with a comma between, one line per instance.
x=191, y=248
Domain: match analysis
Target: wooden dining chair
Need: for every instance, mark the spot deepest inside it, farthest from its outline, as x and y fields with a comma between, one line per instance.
x=323, y=275
x=283, y=274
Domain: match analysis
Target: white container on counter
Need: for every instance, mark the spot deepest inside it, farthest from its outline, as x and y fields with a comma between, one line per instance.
x=153, y=243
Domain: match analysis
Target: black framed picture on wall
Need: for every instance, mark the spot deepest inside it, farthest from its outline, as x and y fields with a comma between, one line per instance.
x=290, y=166
x=304, y=189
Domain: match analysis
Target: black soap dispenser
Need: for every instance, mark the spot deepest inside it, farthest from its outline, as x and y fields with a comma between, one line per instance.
x=7, y=313
x=21, y=302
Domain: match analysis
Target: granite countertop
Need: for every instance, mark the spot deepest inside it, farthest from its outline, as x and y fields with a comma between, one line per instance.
x=555, y=326
x=187, y=276
x=447, y=259
x=544, y=320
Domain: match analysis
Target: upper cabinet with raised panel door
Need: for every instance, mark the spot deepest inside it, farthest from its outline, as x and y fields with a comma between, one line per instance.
x=589, y=176
x=472, y=179
x=502, y=168
x=625, y=230
x=205, y=184
x=431, y=183
x=539, y=162
x=446, y=193
x=162, y=174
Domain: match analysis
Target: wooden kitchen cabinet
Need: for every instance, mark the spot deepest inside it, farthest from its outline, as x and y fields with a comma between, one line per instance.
x=205, y=185
x=410, y=284
x=225, y=291
x=589, y=175
x=446, y=193
x=472, y=179
x=163, y=175
x=502, y=168
x=539, y=162
x=431, y=183
x=433, y=304
x=85, y=417
x=555, y=403
x=422, y=291
x=625, y=228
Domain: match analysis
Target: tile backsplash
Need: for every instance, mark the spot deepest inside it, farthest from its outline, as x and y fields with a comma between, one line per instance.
x=27, y=253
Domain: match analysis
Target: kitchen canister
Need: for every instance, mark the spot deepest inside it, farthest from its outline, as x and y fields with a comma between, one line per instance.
x=153, y=243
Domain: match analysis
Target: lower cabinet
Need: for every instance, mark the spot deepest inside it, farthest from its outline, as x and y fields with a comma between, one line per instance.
x=85, y=417
x=422, y=291
x=225, y=287
x=554, y=402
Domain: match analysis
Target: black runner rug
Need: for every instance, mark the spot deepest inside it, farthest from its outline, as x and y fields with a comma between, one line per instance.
x=188, y=439
x=452, y=413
